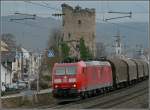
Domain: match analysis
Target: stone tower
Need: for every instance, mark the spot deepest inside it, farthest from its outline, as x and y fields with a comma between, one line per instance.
x=79, y=23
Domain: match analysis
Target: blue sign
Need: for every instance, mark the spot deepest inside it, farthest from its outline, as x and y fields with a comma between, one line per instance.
x=50, y=53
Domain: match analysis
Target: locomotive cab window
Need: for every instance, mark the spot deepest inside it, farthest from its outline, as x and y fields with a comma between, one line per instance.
x=60, y=71
x=70, y=70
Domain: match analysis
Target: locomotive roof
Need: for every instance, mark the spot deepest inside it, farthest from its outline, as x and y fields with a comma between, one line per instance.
x=88, y=63
x=97, y=63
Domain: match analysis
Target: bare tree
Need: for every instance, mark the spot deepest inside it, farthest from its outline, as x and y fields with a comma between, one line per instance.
x=54, y=40
x=10, y=40
x=47, y=63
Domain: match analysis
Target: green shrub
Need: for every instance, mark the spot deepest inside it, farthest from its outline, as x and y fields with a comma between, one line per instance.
x=47, y=78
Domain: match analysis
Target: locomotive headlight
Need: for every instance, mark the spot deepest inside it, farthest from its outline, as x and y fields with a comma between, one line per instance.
x=72, y=80
x=57, y=80
x=74, y=85
x=56, y=86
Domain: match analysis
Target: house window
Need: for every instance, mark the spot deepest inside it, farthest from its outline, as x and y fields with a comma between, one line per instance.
x=77, y=46
x=79, y=21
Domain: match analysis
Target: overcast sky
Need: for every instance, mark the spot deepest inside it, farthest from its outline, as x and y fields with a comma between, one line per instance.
x=139, y=9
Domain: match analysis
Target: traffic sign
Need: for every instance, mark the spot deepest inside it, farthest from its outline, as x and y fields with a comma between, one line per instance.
x=50, y=53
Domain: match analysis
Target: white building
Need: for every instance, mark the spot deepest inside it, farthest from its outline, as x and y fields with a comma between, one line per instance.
x=21, y=63
x=6, y=76
x=26, y=61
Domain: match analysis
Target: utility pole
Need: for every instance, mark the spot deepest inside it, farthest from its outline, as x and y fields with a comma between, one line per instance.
x=38, y=71
x=118, y=48
x=0, y=75
x=6, y=71
x=30, y=70
x=22, y=65
x=139, y=51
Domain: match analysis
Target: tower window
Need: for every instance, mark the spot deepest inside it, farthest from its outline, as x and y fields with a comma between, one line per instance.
x=69, y=35
x=79, y=21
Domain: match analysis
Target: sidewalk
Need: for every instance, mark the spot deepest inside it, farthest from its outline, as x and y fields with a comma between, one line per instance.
x=25, y=92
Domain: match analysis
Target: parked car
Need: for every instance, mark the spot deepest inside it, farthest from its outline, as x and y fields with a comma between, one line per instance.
x=22, y=85
x=12, y=87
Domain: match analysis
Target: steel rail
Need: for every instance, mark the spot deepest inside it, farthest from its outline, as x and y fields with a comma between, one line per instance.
x=119, y=100
x=103, y=95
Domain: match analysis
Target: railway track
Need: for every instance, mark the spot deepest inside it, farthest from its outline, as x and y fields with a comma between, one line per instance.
x=106, y=100
x=119, y=100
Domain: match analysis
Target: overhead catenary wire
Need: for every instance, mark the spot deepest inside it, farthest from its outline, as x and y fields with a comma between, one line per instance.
x=27, y=14
x=117, y=17
x=41, y=27
x=117, y=24
x=103, y=13
x=38, y=4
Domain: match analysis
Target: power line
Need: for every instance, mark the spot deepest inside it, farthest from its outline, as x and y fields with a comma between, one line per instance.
x=35, y=3
x=38, y=26
x=118, y=12
x=117, y=17
x=21, y=19
x=26, y=14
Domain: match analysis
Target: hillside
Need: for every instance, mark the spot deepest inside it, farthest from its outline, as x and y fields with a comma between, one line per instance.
x=33, y=34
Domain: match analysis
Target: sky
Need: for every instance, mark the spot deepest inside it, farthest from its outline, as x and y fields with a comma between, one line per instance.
x=139, y=9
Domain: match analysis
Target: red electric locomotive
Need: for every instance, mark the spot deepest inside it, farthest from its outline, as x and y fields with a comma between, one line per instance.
x=79, y=79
